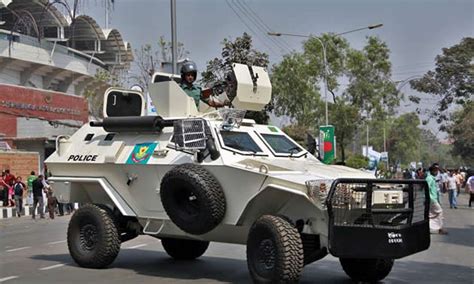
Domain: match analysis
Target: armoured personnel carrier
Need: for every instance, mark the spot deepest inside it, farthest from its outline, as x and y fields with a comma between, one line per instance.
x=190, y=176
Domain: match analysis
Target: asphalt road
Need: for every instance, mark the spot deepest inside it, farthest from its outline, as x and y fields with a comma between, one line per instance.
x=36, y=252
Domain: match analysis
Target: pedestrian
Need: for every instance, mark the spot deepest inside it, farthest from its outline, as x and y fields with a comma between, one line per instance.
x=459, y=180
x=470, y=187
x=4, y=187
x=406, y=174
x=420, y=174
x=452, y=191
x=29, y=182
x=19, y=188
x=51, y=201
x=436, y=212
x=9, y=180
x=38, y=188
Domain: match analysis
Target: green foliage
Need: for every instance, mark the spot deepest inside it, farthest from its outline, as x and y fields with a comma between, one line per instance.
x=344, y=117
x=452, y=81
x=297, y=132
x=403, y=138
x=461, y=132
x=370, y=92
x=238, y=51
x=370, y=86
x=294, y=91
x=357, y=161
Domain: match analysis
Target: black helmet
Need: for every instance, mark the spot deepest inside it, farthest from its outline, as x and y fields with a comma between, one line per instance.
x=189, y=67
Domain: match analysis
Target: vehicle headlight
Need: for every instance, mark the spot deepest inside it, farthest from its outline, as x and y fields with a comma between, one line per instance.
x=318, y=190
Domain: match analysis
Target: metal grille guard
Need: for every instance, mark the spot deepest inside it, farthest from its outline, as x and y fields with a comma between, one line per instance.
x=370, y=218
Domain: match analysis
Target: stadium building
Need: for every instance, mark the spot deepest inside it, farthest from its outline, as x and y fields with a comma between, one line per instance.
x=48, y=62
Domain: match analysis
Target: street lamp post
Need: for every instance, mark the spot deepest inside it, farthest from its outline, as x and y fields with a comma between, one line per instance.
x=324, y=57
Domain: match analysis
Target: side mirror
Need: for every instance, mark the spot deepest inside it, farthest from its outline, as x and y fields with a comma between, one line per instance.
x=121, y=102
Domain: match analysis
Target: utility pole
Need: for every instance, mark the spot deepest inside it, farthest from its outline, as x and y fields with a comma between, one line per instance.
x=174, y=40
x=106, y=14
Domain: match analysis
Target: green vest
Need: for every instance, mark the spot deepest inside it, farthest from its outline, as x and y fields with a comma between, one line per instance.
x=29, y=181
x=432, y=187
x=193, y=91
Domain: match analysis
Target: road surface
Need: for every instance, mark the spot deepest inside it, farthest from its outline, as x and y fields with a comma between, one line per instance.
x=36, y=252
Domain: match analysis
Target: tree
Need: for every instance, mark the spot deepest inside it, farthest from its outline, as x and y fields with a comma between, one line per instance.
x=461, y=131
x=238, y=51
x=370, y=91
x=95, y=98
x=452, y=81
x=342, y=116
x=295, y=93
x=403, y=138
x=370, y=86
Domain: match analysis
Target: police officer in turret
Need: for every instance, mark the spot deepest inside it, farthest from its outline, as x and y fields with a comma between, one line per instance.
x=188, y=76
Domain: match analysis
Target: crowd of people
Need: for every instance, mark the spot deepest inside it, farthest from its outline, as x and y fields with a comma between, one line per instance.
x=441, y=181
x=16, y=193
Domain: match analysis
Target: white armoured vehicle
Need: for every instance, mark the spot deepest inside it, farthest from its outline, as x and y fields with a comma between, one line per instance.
x=189, y=177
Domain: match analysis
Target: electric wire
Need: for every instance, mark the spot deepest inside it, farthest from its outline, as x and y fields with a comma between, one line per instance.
x=245, y=9
x=270, y=48
x=267, y=27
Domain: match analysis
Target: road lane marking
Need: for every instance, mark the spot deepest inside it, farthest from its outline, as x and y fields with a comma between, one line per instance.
x=8, y=278
x=137, y=246
x=58, y=242
x=52, y=266
x=17, y=249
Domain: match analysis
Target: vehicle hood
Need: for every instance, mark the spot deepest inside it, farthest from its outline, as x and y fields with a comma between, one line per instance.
x=299, y=171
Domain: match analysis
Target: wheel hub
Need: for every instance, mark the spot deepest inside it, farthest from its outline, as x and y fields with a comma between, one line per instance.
x=88, y=236
x=266, y=256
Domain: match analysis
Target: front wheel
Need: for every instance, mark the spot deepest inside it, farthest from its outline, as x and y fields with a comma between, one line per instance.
x=274, y=251
x=92, y=237
x=184, y=249
x=366, y=270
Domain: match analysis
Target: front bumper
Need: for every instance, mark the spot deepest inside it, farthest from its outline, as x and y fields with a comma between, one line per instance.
x=361, y=226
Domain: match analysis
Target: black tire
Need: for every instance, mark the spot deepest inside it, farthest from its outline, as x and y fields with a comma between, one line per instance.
x=120, y=224
x=184, y=249
x=192, y=198
x=366, y=270
x=92, y=237
x=274, y=251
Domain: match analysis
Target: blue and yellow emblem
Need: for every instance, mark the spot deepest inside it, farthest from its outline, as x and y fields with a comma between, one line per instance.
x=141, y=153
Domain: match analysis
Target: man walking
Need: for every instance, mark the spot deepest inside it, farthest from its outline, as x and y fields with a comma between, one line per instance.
x=436, y=212
x=29, y=183
x=38, y=188
x=18, y=189
x=452, y=191
x=470, y=187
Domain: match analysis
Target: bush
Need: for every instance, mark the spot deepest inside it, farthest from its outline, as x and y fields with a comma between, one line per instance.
x=357, y=161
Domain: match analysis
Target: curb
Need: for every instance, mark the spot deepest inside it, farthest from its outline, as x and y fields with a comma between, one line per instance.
x=9, y=212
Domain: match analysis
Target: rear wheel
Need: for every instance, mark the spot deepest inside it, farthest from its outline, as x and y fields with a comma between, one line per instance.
x=92, y=237
x=184, y=249
x=366, y=270
x=274, y=251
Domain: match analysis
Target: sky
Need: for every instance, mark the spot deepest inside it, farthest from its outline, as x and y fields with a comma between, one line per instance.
x=414, y=30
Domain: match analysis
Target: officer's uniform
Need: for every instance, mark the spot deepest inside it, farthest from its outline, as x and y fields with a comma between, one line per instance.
x=194, y=92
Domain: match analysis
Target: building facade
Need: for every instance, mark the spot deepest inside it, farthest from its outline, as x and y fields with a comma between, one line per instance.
x=48, y=62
